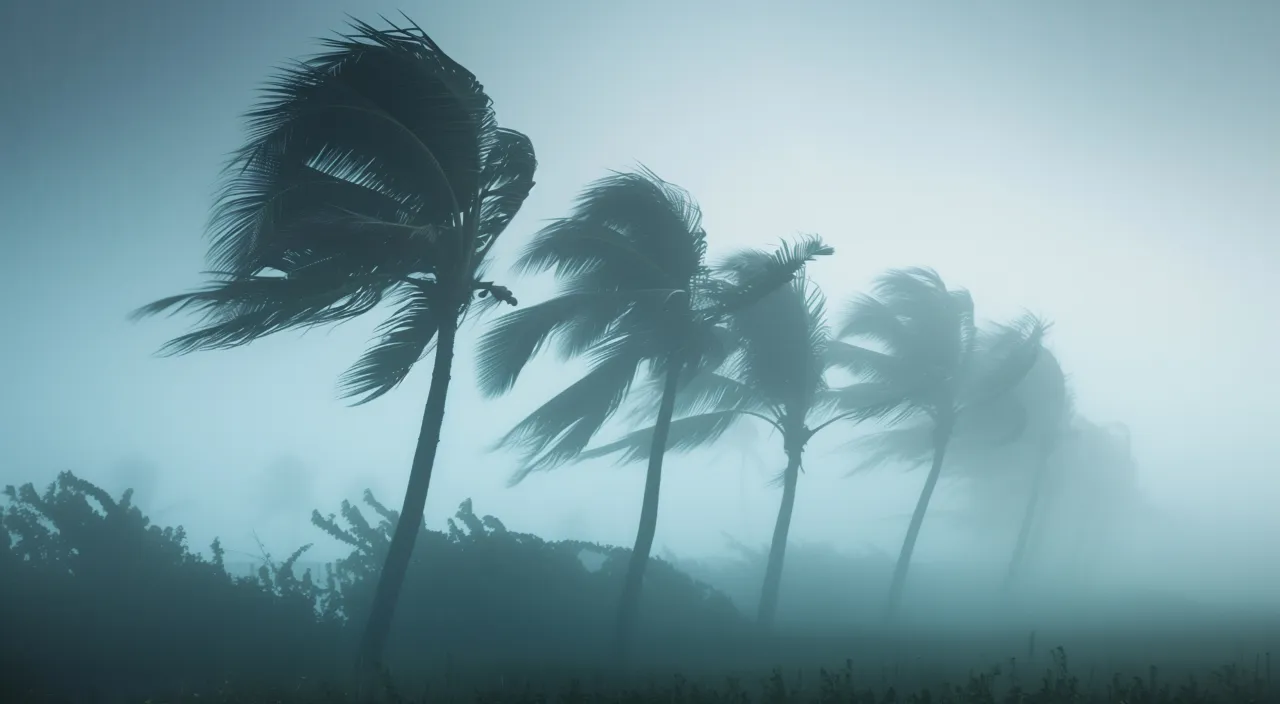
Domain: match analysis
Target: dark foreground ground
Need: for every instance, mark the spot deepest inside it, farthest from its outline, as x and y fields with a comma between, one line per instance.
x=1116, y=668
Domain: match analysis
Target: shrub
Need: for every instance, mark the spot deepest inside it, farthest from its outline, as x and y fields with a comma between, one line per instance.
x=92, y=593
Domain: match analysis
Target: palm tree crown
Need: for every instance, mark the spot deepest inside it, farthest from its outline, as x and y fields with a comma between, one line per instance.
x=374, y=171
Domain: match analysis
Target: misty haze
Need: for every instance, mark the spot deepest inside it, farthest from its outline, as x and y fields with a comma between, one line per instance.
x=495, y=346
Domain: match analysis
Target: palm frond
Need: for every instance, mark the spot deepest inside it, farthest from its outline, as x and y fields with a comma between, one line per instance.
x=237, y=310
x=687, y=433
x=560, y=429
x=627, y=230
x=509, y=167
x=755, y=277
x=865, y=400
x=911, y=445
x=869, y=364
x=383, y=124
x=580, y=321
x=1004, y=354
x=404, y=338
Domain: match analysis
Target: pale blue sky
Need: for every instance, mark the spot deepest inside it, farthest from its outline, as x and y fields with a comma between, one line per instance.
x=1114, y=166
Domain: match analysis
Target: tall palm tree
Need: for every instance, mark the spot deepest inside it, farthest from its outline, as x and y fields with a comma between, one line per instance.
x=636, y=295
x=1004, y=448
x=374, y=172
x=920, y=348
x=778, y=375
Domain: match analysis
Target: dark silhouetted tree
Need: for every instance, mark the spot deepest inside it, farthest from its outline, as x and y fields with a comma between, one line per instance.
x=636, y=295
x=920, y=352
x=374, y=172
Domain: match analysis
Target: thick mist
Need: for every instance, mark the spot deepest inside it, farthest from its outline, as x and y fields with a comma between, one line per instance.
x=1113, y=168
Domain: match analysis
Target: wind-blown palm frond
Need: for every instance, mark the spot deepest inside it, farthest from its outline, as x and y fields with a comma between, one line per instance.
x=560, y=429
x=687, y=433
x=236, y=310
x=628, y=230
x=752, y=275
x=405, y=339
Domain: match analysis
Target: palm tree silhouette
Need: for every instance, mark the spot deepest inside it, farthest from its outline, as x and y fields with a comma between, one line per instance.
x=777, y=375
x=374, y=172
x=1005, y=448
x=636, y=295
x=920, y=353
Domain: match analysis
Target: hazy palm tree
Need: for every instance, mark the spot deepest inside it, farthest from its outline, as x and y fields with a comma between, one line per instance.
x=921, y=353
x=778, y=375
x=374, y=171
x=1003, y=448
x=636, y=295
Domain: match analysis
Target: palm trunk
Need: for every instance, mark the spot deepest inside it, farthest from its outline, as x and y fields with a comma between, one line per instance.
x=629, y=605
x=778, y=550
x=1028, y=519
x=941, y=436
x=378, y=627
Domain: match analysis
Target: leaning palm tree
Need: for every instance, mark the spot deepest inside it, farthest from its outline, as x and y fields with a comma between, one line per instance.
x=920, y=349
x=1004, y=448
x=636, y=296
x=374, y=172
x=777, y=375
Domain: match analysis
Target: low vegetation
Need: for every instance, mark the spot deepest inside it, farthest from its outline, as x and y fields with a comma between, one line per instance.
x=98, y=604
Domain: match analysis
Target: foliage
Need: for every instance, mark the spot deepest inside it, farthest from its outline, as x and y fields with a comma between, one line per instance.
x=479, y=580
x=91, y=593
x=375, y=172
x=90, y=587
x=635, y=295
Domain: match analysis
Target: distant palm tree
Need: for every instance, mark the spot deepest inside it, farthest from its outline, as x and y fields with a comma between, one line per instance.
x=778, y=375
x=921, y=353
x=636, y=295
x=996, y=446
x=375, y=171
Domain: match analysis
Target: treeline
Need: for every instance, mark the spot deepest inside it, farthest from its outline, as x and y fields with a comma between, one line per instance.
x=93, y=597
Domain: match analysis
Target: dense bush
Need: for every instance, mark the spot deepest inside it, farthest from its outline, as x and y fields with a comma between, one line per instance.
x=94, y=598
x=92, y=593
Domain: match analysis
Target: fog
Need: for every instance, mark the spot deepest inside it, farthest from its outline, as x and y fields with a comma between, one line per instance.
x=1112, y=167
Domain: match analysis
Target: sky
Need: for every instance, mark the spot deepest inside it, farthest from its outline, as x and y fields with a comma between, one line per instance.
x=1114, y=167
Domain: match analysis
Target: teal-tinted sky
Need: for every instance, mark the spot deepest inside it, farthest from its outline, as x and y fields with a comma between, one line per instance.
x=1114, y=166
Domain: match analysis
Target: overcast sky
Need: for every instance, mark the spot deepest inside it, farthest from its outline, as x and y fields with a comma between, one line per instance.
x=1112, y=166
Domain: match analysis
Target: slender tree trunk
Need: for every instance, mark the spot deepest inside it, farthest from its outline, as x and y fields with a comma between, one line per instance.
x=778, y=549
x=378, y=627
x=629, y=604
x=1028, y=518
x=941, y=436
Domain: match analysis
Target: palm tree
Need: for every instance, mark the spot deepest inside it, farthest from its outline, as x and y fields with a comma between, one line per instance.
x=921, y=353
x=374, y=172
x=996, y=446
x=777, y=375
x=635, y=296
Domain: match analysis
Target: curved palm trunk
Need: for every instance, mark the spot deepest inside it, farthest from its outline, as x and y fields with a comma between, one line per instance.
x=1028, y=518
x=778, y=550
x=941, y=436
x=629, y=604
x=378, y=627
